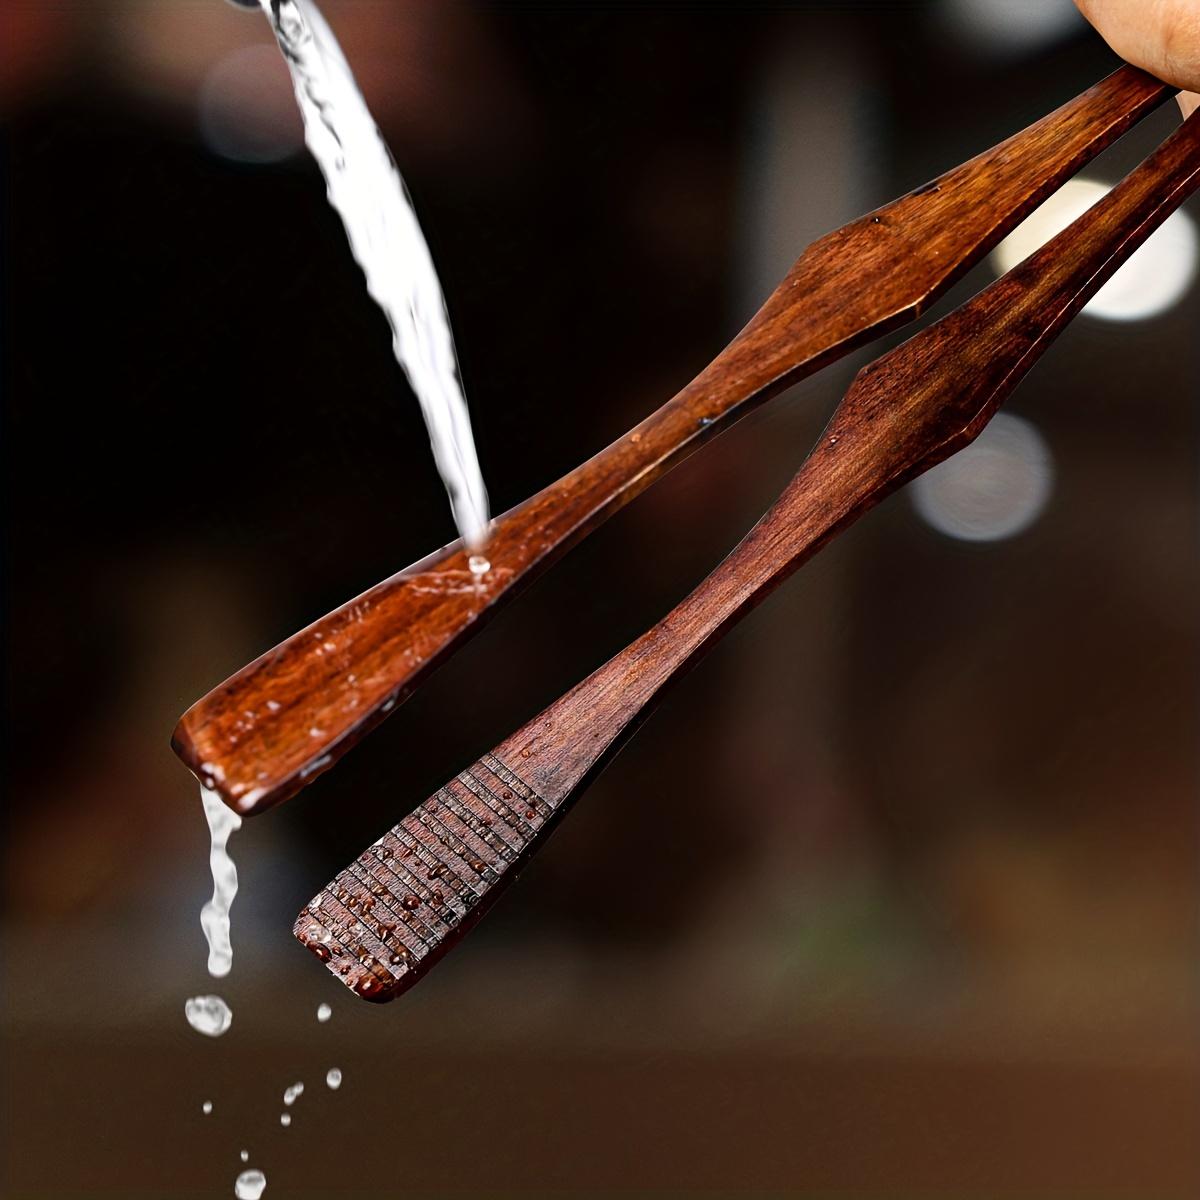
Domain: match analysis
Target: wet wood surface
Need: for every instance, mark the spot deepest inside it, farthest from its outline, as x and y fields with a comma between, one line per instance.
x=270, y=729
x=397, y=909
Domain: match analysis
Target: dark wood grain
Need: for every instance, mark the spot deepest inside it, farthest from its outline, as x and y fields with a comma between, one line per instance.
x=262, y=735
x=385, y=920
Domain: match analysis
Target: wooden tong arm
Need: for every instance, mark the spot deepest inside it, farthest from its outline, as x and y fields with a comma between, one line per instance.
x=390, y=916
x=264, y=733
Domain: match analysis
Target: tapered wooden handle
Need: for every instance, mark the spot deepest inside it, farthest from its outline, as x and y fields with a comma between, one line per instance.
x=264, y=733
x=907, y=411
x=394, y=912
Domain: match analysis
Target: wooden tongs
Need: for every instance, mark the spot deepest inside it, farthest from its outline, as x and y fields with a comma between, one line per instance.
x=260, y=736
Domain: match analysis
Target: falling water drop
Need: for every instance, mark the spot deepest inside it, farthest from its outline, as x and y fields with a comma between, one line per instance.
x=208, y=1014
x=285, y=1119
x=245, y=1156
x=214, y=916
x=334, y=1078
x=249, y=1185
x=206, y=1107
x=289, y=1096
x=324, y=1012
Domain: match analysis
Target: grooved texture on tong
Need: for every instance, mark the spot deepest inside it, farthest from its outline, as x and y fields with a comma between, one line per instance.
x=406, y=899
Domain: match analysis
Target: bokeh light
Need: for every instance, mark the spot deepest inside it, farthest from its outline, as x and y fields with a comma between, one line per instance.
x=1004, y=28
x=246, y=110
x=994, y=488
x=1156, y=277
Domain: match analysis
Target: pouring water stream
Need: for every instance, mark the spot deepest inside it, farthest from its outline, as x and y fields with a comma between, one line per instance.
x=366, y=190
x=369, y=195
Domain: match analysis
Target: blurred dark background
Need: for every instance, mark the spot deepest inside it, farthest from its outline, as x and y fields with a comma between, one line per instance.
x=923, y=917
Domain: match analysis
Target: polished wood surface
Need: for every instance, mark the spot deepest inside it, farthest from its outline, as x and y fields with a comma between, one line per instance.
x=385, y=920
x=263, y=734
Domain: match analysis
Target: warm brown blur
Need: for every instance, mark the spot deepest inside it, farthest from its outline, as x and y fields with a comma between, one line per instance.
x=924, y=919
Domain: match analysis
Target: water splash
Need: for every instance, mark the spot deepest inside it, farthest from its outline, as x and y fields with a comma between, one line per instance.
x=324, y=1012
x=249, y=1185
x=334, y=1078
x=208, y=1015
x=365, y=188
x=214, y=916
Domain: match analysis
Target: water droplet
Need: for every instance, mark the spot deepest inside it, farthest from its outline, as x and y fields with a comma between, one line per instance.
x=322, y=952
x=411, y=902
x=285, y=1119
x=436, y=872
x=506, y=794
x=206, y=1107
x=208, y=1014
x=385, y=852
x=249, y=1185
x=479, y=565
x=291, y=1094
x=477, y=865
x=324, y=1012
x=245, y=1156
x=530, y=813
x=334, y=1078
x=525, y=752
